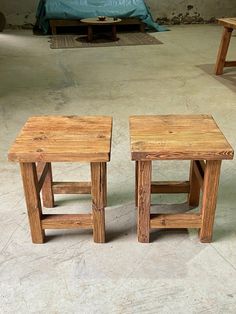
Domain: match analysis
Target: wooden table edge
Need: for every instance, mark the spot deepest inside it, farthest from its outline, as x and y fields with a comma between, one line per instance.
x=147, y=156
x=22, y=158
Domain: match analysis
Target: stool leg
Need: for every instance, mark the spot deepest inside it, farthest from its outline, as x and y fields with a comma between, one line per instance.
x=144, y=200
x=104, y=165
x=90, y=33
x=194, y=193
x=54, y=30
x=209, y=199
x=222, y=53
x=114, y=37
x=98, y=174
x=142, y=27
x=32, y=198
x=136, y=183
x=47, y=192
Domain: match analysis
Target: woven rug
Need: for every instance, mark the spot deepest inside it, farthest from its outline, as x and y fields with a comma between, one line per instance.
x=125, y=39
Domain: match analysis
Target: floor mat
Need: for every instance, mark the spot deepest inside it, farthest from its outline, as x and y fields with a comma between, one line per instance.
x=80, y=41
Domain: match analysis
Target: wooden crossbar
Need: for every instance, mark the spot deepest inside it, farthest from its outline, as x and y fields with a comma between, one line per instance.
x=199, y=169
x=71, y=187
x=175, y=221
x=170, y=187
x=230, y=64
x=42, y=169
x=67, y=221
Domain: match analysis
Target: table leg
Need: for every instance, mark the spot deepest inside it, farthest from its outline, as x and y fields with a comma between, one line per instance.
x=194, y=193
x=222, y=53
x=209, y=199
x=114, y=37
x=144, y=200
x=90, y=33
x=98, y=174
x=104, y=166
x=136, y=183
x=32, y=198
x=47, y=192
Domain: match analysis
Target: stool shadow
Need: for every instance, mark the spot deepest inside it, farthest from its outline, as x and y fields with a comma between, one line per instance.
x=171, y=208
x=113, y=199
x=228, y=78
x=112, y=235
x=82, y=234
x=162, y=233
x=73, y=199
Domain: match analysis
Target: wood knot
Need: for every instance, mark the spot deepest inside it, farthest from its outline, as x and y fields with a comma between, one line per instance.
x=40, y=138
x=101, y=136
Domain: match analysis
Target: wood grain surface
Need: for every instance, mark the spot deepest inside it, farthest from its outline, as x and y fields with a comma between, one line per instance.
x=33, y=203
x=67, y=221
x=209, y=199
x=144, y=200
x=177, y=137
x=63, y=138
x=176, y=221
x=98, y=179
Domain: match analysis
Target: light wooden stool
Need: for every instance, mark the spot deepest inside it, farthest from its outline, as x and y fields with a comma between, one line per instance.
x=178, y=137
x=229, y=25
x=47, y=139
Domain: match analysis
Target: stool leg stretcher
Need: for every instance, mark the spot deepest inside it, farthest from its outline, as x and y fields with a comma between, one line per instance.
x=203, y=176
x=38, y=178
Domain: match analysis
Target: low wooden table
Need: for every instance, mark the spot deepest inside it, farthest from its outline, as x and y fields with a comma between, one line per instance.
x=229, y=25
x=71, y=23
x=178, y=137
x=94, y=21
x=47, y=139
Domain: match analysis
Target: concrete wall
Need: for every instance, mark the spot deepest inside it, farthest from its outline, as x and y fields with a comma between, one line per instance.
x=22, y=12
x=191, y=11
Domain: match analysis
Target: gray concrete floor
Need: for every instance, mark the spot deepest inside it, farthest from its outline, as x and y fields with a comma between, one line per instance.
x=70, y=274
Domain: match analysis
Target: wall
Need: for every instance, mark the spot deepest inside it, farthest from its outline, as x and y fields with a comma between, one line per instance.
x=22, y=12
x=191, y=11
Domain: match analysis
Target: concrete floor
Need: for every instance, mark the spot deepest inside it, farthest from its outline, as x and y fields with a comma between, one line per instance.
x=70, y=274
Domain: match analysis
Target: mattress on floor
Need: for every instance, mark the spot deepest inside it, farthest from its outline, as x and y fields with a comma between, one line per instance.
x=79, y=9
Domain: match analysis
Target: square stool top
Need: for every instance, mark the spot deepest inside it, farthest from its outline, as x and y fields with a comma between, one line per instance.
x=228, y=22
x=63, y=138
x=173, y=137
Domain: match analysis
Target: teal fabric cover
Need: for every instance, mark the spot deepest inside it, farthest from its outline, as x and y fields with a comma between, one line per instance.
x=79, y=9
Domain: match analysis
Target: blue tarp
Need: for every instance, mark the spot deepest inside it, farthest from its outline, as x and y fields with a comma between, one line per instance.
x=80, y=9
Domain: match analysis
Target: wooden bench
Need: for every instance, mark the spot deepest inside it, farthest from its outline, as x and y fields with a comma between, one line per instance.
x=178, y=137
x=229, y=25
x=47, y=139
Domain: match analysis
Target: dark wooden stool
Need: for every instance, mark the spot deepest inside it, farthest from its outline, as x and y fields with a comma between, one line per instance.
x=229, y=25
x=178, y=137
x=47, y=139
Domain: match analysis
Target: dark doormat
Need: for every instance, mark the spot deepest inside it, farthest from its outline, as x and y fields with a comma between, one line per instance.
x=80, y=41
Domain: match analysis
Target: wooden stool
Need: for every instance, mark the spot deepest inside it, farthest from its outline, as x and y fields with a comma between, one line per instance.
x=46, y=139
x=178, y=137
x=229, y=24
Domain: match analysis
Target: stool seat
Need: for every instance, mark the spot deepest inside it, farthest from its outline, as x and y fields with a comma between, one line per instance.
x=63, y=138
x=178, y=137
x=47, y=139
